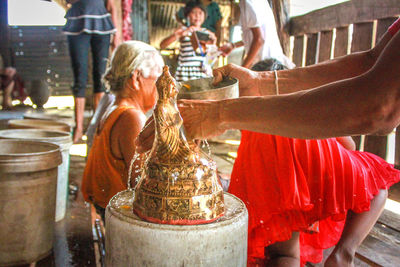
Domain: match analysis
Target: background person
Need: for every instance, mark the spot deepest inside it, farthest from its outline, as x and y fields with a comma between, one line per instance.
x=13, y=87
x=89, y=26
x=212, y=21
x=352, y=95
x=192, y=52
x=299, y=191
x=259, y=36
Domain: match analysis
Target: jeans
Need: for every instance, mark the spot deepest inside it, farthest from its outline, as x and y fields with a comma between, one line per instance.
x=79, y=46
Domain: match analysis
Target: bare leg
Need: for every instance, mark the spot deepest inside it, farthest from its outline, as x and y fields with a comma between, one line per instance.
x=7, y=99
x=285, y=253
x=79, y=112
x=96, y=100
x=356, y=229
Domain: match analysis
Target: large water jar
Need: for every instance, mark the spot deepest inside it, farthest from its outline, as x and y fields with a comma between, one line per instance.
x=28, y=183
x=62, y=139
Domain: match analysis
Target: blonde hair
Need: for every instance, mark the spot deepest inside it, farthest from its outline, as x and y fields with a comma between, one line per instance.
x=128, y=57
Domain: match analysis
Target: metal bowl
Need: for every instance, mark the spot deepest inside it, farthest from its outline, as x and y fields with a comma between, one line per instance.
x=205, y=90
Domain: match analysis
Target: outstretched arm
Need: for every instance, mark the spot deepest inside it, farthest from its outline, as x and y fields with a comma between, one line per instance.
x=329, y=71
x=293, y=80
x=367, y=103
x=175, y=36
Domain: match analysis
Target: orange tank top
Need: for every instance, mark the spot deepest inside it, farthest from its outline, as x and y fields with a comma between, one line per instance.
x=102, y=177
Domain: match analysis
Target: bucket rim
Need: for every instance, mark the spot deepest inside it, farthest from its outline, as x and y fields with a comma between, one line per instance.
x=54, y=147
x=64, y=138
x=16, y=121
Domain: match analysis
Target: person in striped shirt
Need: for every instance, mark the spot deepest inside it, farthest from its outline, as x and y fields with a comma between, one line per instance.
x=193, y=44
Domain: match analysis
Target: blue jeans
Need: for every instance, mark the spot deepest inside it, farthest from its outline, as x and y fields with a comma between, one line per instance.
x=79, y=46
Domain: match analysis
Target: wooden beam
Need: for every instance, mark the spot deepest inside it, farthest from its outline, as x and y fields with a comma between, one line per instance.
x=383, y=25
x=312, y=49
x=362, y=36
x=281, y=10
x=298, y=50
x=140, y=20
x=341, y=41
x=325, y=46
x=381, y=247
x=378, y=144
x=397, y=149
x=343, y=14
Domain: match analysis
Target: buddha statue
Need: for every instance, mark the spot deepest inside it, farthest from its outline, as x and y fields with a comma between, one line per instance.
x=178, y=183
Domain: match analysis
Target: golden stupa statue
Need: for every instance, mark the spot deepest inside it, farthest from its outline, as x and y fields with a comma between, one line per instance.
x=179, y=183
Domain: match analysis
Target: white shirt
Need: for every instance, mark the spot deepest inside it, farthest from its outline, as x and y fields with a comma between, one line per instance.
x=258, y=13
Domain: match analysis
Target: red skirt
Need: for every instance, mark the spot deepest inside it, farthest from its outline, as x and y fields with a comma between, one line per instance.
x=289, y=184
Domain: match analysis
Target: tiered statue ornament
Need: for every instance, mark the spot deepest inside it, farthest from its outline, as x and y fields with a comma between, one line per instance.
x=179, y=183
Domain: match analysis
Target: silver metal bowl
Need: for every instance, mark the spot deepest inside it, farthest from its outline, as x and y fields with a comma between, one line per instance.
x=205, y=90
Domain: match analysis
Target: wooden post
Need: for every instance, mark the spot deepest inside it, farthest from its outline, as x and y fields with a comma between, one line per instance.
x=312, y=48
x=281, y=10
x=140, y=20
x=325, y=46
x=341, y=42
x=5, y=50
x=298, y=50
x=362, y=40
x=373, y=143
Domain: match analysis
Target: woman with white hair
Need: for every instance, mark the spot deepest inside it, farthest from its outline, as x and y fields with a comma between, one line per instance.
x=131, y=76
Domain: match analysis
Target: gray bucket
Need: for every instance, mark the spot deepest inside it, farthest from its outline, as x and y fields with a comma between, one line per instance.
x=39, y=124
x=28, y=183
x=62, y=139
x=50, y=117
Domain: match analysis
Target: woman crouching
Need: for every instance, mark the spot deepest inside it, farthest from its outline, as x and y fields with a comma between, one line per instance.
x=131, y=76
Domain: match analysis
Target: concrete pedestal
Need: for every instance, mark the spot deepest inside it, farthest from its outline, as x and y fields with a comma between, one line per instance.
x=131, y=241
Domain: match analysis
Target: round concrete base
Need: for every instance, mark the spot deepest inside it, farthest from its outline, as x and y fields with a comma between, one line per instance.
x=131, y=241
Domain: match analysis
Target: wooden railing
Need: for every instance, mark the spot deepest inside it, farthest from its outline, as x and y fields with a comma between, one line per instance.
x=339, y=30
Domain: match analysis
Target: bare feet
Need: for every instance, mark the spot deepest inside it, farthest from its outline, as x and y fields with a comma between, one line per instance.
x=340, y=258
x=78, y=133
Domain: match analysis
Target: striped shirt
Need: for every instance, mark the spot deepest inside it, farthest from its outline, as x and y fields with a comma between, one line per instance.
x=190, y=64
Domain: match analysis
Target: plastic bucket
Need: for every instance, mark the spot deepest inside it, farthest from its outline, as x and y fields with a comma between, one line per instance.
x=39, y=124
x=50, y=116
x=62, y=139
x=28, y=183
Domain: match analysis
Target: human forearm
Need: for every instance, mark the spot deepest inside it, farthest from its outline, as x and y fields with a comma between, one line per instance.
x=248, y=61
x=324, y=112
x=167, y=41
x=117, y=38
x=255, y=46
x=218, y=32
x=316, y=75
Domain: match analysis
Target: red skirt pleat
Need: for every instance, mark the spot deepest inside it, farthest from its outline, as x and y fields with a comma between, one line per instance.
x=288, y=184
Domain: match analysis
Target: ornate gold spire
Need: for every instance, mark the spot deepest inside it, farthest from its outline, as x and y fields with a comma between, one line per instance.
x=179, y=183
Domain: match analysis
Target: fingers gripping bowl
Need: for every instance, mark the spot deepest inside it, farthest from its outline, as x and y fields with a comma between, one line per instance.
x=205, y=90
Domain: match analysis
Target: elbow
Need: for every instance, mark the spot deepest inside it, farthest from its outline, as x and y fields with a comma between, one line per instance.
x=260, y=41
x=163, y=45
x=380, y=120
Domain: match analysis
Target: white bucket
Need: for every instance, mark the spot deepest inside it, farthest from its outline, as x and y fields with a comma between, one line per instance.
x=63, y=139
